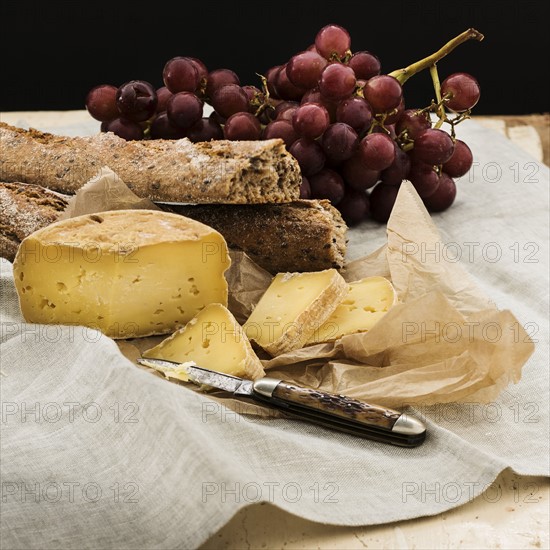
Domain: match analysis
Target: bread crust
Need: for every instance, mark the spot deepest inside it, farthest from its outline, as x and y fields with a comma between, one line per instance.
x=25, y=208
x=306, y=235
x=228, y=172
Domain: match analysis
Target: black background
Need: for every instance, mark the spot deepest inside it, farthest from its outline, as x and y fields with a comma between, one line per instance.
x=53, y=52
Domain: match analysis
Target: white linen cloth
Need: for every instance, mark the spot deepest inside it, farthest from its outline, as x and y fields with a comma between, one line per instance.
x=96, y=453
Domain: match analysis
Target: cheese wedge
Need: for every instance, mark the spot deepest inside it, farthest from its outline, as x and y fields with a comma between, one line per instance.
x=366, y=302
x=293, y=307
x=213, y=340
x=128, y=273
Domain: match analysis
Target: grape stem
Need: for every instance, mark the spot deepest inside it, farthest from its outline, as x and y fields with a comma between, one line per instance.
x=437, y=88
x=402, y=75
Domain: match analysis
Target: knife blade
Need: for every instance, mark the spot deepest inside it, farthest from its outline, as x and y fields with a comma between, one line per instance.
x=333, y=411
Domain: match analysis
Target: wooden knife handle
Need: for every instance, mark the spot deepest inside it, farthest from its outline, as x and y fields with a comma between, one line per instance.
x=336, y=405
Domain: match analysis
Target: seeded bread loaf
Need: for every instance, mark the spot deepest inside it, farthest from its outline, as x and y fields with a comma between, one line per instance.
x=25, y=208
x=306, y=235
x=228, y=172
x=298, y=236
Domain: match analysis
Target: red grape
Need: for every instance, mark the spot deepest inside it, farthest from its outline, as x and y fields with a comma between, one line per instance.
x=327, y=184
x=242, y=126
x=314, y=96
x=433, y=146
x=356, y=175
x=414, y=122
x=395, y=114
x=339, y=142
x=460, y=161
x=163, y=95
x=184, y=109
x=354, y=207
x=398, y=170
x=463, y=90
x=284, y=87
x=218, y=78
x=136, y=100
x=310, y=120
x=376, y=151
x=384, y=93
x=206, y=129
x=444, y=195
x=201, y=69
x=309, y=155
x=305, y=68
x=229, y=99
x=356, y=112
x=101, y=102
x=162, y=128
x=126, y=129
x=365, y=65
x=337, y=81
x=382, y=199
x=181, y=74
x=332, y=40
x=281, y=129
x=285, y=110
x=305, y=189
x=254, y=96
x=424, y=179
x=271, y=78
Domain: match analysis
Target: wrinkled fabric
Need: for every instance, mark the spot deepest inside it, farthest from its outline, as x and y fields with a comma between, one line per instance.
x=96, y=453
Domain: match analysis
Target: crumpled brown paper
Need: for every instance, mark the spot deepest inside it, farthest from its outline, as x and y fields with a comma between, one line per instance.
x=444, y=342
x=105, y=191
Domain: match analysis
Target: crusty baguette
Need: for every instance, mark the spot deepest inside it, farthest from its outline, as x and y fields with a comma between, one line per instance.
x=300, y=236
x=25, y=208
x=229, y=172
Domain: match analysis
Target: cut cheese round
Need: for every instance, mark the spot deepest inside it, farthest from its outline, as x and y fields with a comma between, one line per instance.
x=213, y=340
x=128, y=273
x=366, y=302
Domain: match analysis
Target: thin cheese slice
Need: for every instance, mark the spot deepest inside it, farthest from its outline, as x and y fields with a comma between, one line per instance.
x=213, y=340
x=367, y=301
x=128, y=273
x=293, y=307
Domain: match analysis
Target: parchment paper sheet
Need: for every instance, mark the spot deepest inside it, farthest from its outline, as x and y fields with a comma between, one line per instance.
x=444, y=342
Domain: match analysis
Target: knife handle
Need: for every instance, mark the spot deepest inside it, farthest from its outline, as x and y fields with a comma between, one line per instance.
x=328, y=404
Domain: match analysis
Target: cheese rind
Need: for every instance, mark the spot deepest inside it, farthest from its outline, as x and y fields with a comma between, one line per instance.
x=293, y=307
x=213, y=340
x=366, y=302
x=128, y=273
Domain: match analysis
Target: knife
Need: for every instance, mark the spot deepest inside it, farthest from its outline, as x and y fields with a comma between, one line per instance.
x=333, y=411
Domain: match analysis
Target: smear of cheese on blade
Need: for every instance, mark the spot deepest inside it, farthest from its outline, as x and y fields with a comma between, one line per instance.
x=128, y=273
x=213, y=340
x=293, y=307
x=366, y=302
x=177, y=371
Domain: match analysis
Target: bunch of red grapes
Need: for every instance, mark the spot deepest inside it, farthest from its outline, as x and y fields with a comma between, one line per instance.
x=344, y=122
